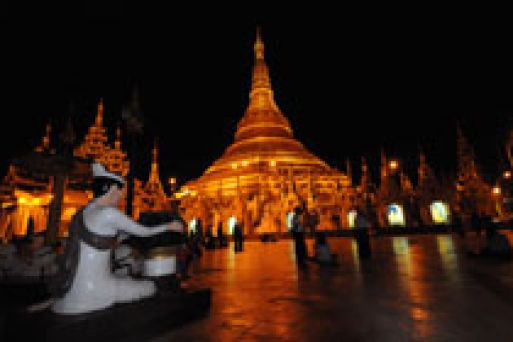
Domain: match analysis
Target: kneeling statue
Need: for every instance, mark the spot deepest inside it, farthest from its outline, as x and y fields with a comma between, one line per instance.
x=85, y=281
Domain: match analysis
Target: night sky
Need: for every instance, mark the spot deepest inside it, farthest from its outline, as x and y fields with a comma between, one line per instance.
x=350, y=81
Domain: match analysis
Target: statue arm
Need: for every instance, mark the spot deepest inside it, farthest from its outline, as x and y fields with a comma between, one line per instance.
x=124, y=223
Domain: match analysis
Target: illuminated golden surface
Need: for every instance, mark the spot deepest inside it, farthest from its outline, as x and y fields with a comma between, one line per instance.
x=266, y=164
x=393, y=164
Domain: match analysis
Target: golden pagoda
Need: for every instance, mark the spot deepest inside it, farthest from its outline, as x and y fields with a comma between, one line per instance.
x=151, y=196
x=266, y=171
x=95, y=146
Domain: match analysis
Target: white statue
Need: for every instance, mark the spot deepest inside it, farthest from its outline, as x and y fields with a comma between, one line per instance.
x=94, y=286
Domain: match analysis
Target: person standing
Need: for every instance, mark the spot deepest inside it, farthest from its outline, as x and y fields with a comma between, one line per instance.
x=238, y=237
x=196, y=239
x=362, y=225
x=298, y=234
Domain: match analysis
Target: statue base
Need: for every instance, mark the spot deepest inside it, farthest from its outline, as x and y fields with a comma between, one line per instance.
x=137, y=321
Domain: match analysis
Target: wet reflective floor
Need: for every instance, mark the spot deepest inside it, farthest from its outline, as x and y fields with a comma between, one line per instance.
x=413, y=288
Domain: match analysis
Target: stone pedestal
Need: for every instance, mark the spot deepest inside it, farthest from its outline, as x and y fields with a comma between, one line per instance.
x=139, y=321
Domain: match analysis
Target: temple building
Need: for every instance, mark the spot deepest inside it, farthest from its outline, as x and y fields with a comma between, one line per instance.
x=432, y=200
x=31, y=189
x=96, y=147
x=396, y=202
x=150, y=196
x=27, y=195
x=395, y=196
x=266, y=172
x=473, y=194
x=259, y=178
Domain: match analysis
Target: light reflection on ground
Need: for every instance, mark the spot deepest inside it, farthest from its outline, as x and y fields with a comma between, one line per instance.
x=413, y=288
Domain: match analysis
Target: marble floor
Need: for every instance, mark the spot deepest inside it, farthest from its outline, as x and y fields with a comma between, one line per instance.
x=413, y=288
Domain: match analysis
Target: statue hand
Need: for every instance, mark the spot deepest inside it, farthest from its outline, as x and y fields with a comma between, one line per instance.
x=176, y=226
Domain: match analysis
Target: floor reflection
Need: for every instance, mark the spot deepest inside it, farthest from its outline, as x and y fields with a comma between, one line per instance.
x=448, y=255
x=405, y=291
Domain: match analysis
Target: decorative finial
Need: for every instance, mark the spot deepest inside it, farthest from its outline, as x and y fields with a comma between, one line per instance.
x=155, y=151
x=46, y=139
x=99, y=113
x=259, y=45
x=117, y=142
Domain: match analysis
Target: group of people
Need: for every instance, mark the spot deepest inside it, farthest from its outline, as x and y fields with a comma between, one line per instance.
x=322, y=251
x=492, y=244
x=208, y=241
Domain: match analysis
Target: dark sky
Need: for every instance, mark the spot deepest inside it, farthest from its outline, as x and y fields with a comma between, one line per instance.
x=350, y=80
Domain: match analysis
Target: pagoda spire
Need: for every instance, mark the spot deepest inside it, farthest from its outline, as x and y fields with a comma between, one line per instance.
x=349, y=172
x=117, y=141
x=45, y=141
x=466, y=164
x=364, y=180
x=259, y=45
x=154, y=173
x=99, y=113
x=384, y=166
x=422, y=170
x=261, y=96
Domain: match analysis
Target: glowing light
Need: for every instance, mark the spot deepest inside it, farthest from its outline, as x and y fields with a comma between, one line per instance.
x=439, y=212
x=393, y=164
x=496, y=190
x=351, y=218
x=245, y=163
x=395, y=215
x=234, y=166
x=507, y=174
x=193, y=224
x=172, y=180
x=272, y=163
x=68, y=213
x=232, y=221
x=290, y=217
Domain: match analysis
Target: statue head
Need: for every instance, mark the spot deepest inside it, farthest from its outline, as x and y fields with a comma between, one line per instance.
x=107, y=186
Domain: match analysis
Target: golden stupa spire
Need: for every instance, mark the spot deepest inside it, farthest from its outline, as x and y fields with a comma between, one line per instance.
x=259, y=45
x=263, y=118
x=154, y=174
x=261, y=96
x=99, y=113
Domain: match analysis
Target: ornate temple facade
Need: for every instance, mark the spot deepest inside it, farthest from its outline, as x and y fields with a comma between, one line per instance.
x=26, y=196
x=150, y=196
x=473, y=194
x=266, y=172
x=259, y=178
x=397, y=202
x=96, y=146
